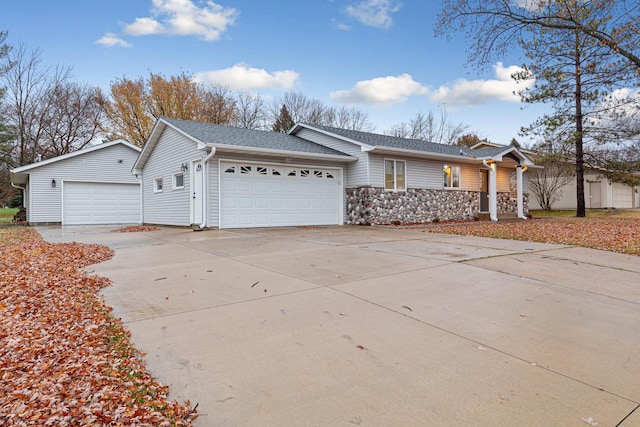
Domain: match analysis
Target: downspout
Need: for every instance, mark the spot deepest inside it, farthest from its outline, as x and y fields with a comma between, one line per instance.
x=24, y=195
x=139, y=177
x=24, y=189
x=205, y=188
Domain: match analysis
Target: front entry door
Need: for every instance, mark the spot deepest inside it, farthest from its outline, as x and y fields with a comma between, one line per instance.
x=484, y=191
x=197, y=205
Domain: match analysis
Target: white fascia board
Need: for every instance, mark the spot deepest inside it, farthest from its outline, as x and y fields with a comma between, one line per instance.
x=424, y=154
x=91, y=149
x=286, y=153
x=363, y=146
x=158, y=128
x=498, y=157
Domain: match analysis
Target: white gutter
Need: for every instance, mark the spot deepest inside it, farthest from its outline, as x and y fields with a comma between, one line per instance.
x=205, y=187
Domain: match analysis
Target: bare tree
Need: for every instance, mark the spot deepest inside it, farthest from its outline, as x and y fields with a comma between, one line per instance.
x=303, y=109
x=50, y=114
x=250, y=111
x=546, y=183
x=73, y=121
x=427, y=127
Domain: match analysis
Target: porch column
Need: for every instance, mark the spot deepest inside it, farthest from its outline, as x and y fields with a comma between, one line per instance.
x=520, y=192
x=493, y=196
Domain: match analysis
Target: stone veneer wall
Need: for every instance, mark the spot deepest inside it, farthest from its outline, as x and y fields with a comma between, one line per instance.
x=372, y=205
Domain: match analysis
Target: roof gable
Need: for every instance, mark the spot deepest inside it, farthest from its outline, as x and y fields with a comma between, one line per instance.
x=27, y=168
x=235, y=139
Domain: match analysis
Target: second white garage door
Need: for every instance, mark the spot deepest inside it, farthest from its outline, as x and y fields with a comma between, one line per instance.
x=86, y=203
x=622, y=196
x=263, y=195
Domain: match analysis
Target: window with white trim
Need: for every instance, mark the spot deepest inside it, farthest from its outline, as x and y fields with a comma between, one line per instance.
x=157, y=185
x=394, y=175
x=178, y=181
x=451, y=175
x=513, y=184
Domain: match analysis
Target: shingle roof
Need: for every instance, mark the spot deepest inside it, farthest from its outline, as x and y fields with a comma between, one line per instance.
x=226, y=135
x=377, y=140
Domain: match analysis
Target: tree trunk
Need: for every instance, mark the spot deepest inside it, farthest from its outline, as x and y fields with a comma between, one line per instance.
x=580, y=211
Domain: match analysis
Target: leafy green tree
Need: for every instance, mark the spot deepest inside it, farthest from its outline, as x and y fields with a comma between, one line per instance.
x=574, y=75
x=283, y=122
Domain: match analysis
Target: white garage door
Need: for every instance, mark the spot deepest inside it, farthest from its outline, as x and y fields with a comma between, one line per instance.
x=263, y=195
x=622, y=196
x=100, y=203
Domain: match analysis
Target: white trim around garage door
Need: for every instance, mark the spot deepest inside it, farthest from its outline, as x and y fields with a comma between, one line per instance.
x=121, y=207
x=265, y=203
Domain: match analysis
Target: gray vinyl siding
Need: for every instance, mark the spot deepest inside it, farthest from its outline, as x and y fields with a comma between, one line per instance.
x=169, y=207
x=503, y=177
x=357, y=173
x=44, y=203
x=420, y=173
x=469, y=177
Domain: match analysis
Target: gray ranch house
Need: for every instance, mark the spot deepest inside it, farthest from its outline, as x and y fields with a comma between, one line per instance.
x=89, y=186
x=203, y=175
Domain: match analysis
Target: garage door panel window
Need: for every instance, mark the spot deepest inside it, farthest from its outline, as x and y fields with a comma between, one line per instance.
x=157, y=185
x=178, y=181
x=394, y=175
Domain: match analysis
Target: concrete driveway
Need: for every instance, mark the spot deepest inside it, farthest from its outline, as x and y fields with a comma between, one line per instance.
x=342, y=326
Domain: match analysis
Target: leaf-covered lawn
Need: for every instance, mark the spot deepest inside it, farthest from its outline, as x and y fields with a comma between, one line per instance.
x=610, y=234
x=64, y=359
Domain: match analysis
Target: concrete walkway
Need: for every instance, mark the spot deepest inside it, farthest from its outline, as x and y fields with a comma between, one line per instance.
x=343, y=326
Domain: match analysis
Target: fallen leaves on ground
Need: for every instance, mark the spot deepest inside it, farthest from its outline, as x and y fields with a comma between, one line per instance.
x=137, y=228
x=610, y=234
x=64, y=359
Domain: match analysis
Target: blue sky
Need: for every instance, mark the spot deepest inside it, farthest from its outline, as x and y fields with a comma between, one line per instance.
x=379, y=56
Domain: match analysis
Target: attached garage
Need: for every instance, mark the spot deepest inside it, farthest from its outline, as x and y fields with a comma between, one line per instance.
x=268, y=195
x=622, y=196
x=86, y=203
x=89, y=186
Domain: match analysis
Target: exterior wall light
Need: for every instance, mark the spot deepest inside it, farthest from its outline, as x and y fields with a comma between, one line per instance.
x=184, y=167
x=53, y=183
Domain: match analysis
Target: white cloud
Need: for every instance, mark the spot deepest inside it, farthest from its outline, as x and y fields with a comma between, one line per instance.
x=111, y=39
x=181, y=18
x=242, y=76
x=464, y=92
x=144, y=27
x=381, y=91
x=375, y=13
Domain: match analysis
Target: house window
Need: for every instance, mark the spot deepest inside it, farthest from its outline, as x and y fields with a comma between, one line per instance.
x=394, y=175
x=451, y=176
x=157, y=185
x=178, y=181
x=513, y=185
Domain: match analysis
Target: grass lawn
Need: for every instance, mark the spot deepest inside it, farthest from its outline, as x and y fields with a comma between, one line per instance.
x=591, y=213
x=6, y=214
